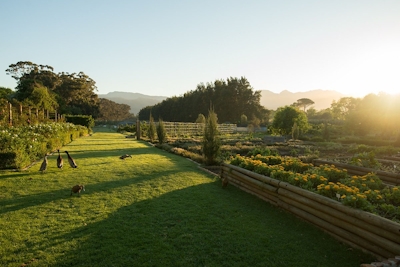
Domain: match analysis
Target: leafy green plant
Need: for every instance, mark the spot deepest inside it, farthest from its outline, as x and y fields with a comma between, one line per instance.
x=365, y=159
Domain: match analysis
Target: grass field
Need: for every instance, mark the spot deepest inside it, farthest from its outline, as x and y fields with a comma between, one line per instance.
x=154, y=209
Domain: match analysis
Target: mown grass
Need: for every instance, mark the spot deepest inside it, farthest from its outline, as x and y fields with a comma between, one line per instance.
x=155, y=209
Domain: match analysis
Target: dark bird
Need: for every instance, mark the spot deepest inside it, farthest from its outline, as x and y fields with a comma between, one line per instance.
x=71, y=161
x=77, y=189
x=43, y=167
x=125, y=156
x=60, y=161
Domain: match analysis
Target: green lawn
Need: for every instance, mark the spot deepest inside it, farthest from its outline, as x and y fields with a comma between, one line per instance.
x=154, y=209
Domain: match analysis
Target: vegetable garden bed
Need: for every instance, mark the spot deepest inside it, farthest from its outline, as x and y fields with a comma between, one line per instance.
x=360, y=229
x=387, y=177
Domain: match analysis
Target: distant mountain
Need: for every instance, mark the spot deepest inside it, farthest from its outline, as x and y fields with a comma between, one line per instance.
x=322, y=98
x=135, y=100
x=270, y=100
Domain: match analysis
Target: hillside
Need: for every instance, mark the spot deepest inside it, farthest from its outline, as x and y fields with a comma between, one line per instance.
x=135, y=100
x=322, y=98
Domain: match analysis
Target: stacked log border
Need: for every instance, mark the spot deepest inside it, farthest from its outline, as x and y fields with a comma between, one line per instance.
x=386, y=177
x=359, y=229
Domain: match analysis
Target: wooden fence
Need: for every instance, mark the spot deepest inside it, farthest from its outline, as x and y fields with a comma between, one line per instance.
x=23, y=115
x=359, y=229
x=191, y=129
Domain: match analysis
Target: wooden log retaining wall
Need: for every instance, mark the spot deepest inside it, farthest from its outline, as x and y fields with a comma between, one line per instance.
x=359, y=229
x=386, y=177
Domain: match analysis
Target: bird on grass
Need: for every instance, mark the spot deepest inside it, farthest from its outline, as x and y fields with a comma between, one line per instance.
x=125, y=156
x=60, y=161
x=77, y=189
x=71, y=161
x=43, y=167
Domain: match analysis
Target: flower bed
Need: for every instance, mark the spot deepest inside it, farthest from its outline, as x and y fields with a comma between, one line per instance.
x=366, y=192
x=359, y=229
x=19, y=146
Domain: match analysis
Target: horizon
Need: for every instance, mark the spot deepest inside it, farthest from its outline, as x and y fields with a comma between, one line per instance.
x=168, y=48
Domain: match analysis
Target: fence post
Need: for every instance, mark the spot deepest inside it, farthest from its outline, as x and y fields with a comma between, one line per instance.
x=137, y=129
x=55, y=115
x=10, y=122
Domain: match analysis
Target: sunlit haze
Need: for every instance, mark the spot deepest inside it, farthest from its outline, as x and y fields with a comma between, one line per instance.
x=168, y=47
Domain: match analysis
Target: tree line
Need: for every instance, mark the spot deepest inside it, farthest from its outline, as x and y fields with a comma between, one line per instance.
x=69, y=93
x=232, y=99
x=374, y=115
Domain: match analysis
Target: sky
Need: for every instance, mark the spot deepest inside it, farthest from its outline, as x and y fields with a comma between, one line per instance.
x=167, y=48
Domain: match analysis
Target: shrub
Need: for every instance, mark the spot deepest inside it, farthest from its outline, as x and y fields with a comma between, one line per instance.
x=365, y=159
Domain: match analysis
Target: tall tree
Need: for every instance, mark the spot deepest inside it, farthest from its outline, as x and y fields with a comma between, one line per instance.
x=343, y=107
x=304, y=103
x=286, y=117
x=76, y=94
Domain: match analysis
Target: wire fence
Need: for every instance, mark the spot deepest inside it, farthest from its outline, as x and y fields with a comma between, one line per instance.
x=17, y=115
x=191, y=129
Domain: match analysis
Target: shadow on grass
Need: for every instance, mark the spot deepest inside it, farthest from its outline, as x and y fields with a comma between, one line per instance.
x=202, y=225
x=21, y=202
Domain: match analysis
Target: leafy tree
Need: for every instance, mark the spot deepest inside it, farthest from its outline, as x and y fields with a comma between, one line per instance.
x=304, y=103
x=285, y=117
x=6, y=93
x=343, y=107
x=324, y=114
x=161, y=133
x=211, y=139
x=42, y=98
x=76, y=94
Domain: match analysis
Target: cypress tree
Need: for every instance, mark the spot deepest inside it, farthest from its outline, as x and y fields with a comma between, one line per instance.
x=211, y=140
